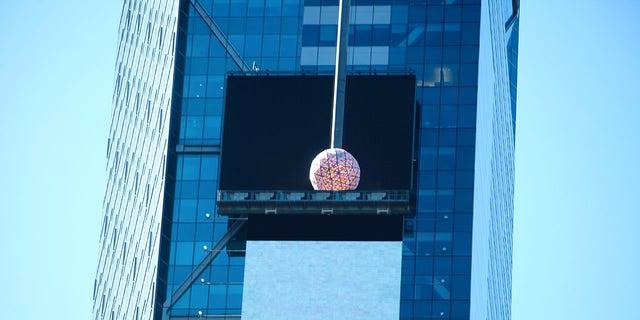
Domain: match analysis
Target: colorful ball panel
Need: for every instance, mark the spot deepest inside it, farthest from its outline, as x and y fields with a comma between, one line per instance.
x=334, y=170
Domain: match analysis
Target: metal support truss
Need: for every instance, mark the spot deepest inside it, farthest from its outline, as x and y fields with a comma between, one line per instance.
x=217, y=32
x=202, y=266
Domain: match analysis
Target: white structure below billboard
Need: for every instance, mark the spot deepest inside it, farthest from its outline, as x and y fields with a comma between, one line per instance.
x=322, y=280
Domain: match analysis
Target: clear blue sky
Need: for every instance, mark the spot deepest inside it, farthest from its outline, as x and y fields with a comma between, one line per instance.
x=577, y=223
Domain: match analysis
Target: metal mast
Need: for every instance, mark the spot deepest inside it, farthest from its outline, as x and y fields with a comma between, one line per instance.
x=340, y=79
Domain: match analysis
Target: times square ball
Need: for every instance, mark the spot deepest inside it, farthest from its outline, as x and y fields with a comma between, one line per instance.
x=334, y=169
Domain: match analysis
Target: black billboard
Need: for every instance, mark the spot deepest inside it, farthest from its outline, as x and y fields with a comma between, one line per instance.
x=275, y=125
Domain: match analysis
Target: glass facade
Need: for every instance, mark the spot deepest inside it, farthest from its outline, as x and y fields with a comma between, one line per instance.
x=494, y=171
x=137, y=147
x=456, y=261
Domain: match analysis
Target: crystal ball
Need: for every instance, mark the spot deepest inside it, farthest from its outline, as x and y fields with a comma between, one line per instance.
x=334, y=170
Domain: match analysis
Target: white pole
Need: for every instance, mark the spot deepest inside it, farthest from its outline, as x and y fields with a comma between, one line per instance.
x=340, y=79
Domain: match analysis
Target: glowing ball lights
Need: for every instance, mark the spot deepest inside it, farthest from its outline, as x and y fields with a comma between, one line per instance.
x=334, y=170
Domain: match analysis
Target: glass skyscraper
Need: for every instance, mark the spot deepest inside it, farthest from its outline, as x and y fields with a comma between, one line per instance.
x=167, y=252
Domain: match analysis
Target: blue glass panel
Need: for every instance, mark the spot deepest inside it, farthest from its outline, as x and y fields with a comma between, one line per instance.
x=198, y=66
x=466, y=137
x=212, y=127
x=415, y=54
x=444, y=200
x=184, y=253
x=189, y=190
x=425, y=225
x=471, y=13
x=213, y=107
x=191, y=167
x=452, y=13
x=440, y=308
x=200, y=46
x=416, y=35
x=469, y=54
x=272, y=26
x=464, y=200
x=468, y=74
x=442, y=265
x=446, y=158
x=447, y=138
x=461, y=286
x=194, y=128
x=219, y=274
x=462, y=244
x=209, y=167
x=446, y=179
x=381, y=35
x=288, y=46
x=430, y=116
x=423, y=291
x=234, y=296
x=418, y=13
x=205, y=206
x=255, y=25
x=328, y=35
x=204, y=233
x=237, y=26
x=198, y=252
x=468, y=95
x=208, y=189
x=270, y=45
x=187, y=210
x=195, y=107
x=465, y=158
x=408, y=265
x=421, y=308
x=274, y=8
x=221, y=8
x=460, y=309
x=397, y=55
x=463, y=221
x=427, y=179
x=399, y=14
x=399, y=35
x=310, y=35
x=464, y=179
x=451, y=54
x=290, y=7
x=426, y=200
x=435, y=13
x=255, y=7
x=236, y=273
x=433, y=55
x=428, y=138
x=429, y=158
x=199, y=297
x=238, y=8
x=406, y=307
x=470, y=33
x=362, y=35
x=181, y=273
x=186, y=231
x=466, y=115
x=253, y=45
x=461, y=265
x=425, y=243
x=406, y=291
x=449, y=113
x=197, y=86
x=217, y=296
x=424, y=265
x=237, y=40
